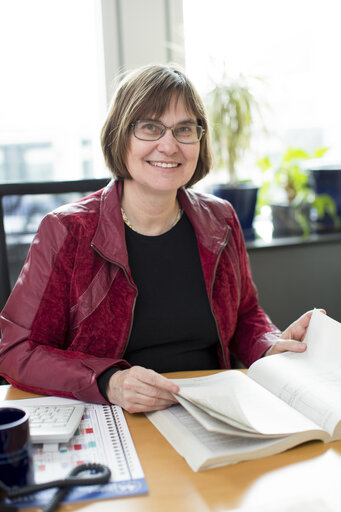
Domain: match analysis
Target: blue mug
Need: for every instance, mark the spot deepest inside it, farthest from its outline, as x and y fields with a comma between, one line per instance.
x=16, y=463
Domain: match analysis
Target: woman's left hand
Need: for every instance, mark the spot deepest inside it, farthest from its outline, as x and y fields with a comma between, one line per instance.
x=291, y=338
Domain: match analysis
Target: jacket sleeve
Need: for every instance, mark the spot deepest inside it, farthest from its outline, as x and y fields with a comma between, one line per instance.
x=254, y=332
x=47, y=366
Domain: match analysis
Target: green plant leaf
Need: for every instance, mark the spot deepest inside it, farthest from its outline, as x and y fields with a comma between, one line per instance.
x=303, y=221
x=231, y=106
x=325, y=204
x=289, y=175
x=319, y=152
x=264, y=164
x=294, y=154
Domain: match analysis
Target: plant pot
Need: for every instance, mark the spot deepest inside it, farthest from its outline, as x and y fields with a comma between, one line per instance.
x=284, y=220
x=243, y=198
x=327, y=180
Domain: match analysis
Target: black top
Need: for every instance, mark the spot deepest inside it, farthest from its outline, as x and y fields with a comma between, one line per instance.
x=173, y=327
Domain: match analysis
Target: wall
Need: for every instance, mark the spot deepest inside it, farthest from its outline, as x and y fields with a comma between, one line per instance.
x=293, y=277
x=138, y=32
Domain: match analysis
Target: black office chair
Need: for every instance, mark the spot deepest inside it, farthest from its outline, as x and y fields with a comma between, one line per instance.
x=18, y=209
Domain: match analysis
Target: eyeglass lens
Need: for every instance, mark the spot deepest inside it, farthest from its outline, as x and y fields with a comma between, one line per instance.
x=153, y=130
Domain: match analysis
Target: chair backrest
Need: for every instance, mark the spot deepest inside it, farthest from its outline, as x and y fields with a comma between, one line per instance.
x=22, y=206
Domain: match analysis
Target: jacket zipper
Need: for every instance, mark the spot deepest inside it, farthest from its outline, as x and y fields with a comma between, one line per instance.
x=211, y=295
x=131, y=284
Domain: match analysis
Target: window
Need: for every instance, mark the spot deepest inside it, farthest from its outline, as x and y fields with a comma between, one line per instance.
x=294, y=45
x=52, y=101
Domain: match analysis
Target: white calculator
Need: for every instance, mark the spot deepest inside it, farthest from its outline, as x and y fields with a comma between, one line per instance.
x=53, y=423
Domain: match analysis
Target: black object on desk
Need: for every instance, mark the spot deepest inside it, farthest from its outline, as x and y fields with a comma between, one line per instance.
x=99, y=474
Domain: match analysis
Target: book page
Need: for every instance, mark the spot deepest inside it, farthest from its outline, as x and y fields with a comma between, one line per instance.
x=212, y=423
x=310, y=382
x=203, y=449
x=234, y=398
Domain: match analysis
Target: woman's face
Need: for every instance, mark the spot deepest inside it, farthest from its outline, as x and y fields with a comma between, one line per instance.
x=163, y=165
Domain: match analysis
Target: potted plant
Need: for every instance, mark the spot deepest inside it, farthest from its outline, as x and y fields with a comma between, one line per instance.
x=293, y=215
x=231, y=110
x=325, y=178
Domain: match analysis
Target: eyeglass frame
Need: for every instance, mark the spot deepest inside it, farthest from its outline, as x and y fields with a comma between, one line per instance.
x=165, y=128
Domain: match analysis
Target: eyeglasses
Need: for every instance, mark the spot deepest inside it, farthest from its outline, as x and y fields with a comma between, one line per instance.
x=186, y=133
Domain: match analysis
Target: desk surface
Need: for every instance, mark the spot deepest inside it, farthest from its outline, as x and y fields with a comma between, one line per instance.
x=173, y=486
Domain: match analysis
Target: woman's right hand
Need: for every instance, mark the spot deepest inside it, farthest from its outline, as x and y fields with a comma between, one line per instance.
x=140, y=390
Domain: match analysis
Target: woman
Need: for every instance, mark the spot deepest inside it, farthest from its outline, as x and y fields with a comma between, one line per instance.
x=144, y=276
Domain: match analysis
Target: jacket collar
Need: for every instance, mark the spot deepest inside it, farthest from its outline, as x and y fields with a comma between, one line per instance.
x=109, y=238
x=208, y=215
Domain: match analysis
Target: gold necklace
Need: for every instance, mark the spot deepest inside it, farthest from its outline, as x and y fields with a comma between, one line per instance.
x=129, y=224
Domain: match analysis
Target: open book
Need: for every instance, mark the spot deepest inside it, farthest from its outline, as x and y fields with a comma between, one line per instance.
x=283, y=400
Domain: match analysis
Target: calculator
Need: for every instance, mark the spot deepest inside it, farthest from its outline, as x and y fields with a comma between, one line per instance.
x=53, y=423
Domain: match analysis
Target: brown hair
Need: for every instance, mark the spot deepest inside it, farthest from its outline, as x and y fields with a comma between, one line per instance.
x=145, y=91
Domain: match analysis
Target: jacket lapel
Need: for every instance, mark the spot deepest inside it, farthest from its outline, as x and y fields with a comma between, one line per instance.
x=109, y=238
x=208, y=215
x=210, y=218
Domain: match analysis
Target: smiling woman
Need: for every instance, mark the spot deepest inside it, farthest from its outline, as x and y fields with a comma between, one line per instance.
x=145, y=276
x=158, y=168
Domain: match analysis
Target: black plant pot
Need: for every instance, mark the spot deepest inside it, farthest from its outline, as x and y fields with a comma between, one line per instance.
x=243, y=198
x=284, y=220
x=327, y=180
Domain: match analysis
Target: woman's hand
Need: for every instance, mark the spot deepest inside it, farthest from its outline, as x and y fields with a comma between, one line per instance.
x=291, y=338
x=140, y=390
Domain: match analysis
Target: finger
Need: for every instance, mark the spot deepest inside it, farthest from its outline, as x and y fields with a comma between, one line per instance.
x=287, y=345
x=298, y=329
x=295, y=331
x=155, y=380
x=137, y=407
x=153, y=402
x=146, y=398
x=305, y=318
x=137, y=402
x=136, y=390
x=293, y=345
x=139, y=386
x=153, y=392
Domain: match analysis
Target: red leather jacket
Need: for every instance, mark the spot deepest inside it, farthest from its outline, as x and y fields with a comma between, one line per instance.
x=70, y=314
